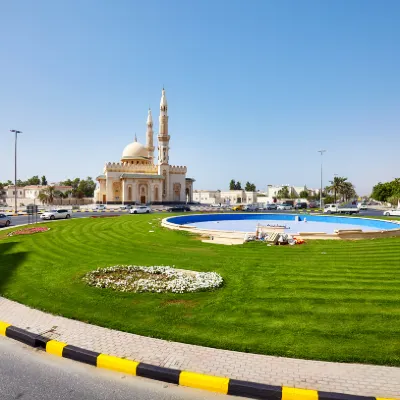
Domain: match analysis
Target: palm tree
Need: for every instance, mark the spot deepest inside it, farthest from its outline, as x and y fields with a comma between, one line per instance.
x=347, y=191
x=61, y=195
x=46, y=196
x=337, y=185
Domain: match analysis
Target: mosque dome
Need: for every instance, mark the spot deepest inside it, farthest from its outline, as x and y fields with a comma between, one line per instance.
x=134, y=151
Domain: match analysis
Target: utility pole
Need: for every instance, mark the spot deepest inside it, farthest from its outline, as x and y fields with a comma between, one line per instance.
x=15, y=170
x=320, y=193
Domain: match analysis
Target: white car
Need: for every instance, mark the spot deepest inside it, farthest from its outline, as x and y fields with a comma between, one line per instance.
x=140, y=210
x=362, y=207
x=284, y=207
x=395, y=213
x=99, y=207
x=56, y=214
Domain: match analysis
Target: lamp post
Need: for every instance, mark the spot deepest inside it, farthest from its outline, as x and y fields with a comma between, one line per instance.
x=15, y=170
x=320, y=193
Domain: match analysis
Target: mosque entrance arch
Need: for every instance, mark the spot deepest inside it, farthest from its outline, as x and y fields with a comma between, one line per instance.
x=143, y=194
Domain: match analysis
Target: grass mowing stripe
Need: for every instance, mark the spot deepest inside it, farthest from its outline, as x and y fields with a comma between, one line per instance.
x=289, y=301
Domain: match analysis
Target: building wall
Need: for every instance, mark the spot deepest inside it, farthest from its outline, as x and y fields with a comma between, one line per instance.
x=177, y=186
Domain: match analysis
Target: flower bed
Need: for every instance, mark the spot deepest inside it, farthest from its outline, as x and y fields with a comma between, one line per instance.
x=29, y=231
x=157, y=279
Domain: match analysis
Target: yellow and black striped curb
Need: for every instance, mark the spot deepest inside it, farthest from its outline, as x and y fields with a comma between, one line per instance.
x=184, y=378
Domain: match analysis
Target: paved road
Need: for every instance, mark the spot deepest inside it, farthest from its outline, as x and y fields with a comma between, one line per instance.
x=31, y=374
x=24, y=219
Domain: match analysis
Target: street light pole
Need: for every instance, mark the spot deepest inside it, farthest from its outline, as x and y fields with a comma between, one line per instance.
x=15, y=170
x=320, y=193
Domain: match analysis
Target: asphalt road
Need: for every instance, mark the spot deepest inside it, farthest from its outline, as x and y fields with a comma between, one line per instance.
x=24, y=219
x=26, y=373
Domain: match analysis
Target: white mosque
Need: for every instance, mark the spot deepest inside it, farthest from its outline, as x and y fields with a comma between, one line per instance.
x=137, y=179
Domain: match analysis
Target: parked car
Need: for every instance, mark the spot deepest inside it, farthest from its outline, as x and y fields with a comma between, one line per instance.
x=100, y=207
x=237, y=208
x=272, y=206
x=299, y=206
x=313, y=204
x=395, y=213
x=218, y=205
x=56, y=214
x=5, y=220
x=126, y=207
x=250, y=207
x=140, y=210
x=284, y=206
x=178, y=208
x=363, y=207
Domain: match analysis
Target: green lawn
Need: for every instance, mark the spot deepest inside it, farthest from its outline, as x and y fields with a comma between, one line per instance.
x=326, y=300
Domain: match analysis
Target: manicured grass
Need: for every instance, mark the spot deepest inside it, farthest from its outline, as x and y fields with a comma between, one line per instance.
x=326, y=300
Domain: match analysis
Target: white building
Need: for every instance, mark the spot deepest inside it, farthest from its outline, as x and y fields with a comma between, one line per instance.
x=229, y=197
x=137, y=179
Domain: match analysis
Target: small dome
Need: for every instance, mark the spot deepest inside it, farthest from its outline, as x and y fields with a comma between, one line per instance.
x=134, y=151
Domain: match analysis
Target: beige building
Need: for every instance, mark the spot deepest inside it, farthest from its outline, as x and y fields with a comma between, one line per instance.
x=138, y=179
x=28, y=194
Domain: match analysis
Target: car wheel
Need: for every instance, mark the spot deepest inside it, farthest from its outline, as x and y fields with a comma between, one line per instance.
x=67, y=216
x=7, y=223
x=147, y=211
x=329, y=212
x=135, y=212
x=52, y=217
x=387, y=214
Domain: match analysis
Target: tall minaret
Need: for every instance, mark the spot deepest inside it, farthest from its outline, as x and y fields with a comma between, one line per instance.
x=163, y=137
x=149, y=136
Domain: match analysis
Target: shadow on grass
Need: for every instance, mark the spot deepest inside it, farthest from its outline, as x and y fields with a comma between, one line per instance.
x=9, y=262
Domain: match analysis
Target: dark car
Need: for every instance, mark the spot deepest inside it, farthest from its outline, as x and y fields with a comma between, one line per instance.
x=178, y=208
x=299, y=206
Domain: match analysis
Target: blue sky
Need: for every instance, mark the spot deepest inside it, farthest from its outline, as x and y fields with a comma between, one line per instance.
x=254, y=88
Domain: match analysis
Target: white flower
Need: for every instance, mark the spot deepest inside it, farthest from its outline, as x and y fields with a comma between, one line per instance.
x=126, y=278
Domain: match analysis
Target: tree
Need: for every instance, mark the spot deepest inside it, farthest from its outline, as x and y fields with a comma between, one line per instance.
x=33, y=181
x=46, y=196
x=382, y=191
x=336, y=186
x=44, y=181
x=61, y=195
x=232, y=184
x=347, y=191
x=238, y=186
x=250, y=187
x=303, y=194
x=283, y=193
x=394, y=199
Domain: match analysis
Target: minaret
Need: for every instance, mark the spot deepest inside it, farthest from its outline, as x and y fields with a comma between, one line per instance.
x=163, y=137
x=149, y=136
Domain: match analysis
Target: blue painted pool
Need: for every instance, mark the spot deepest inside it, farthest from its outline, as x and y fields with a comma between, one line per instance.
x=303, y=223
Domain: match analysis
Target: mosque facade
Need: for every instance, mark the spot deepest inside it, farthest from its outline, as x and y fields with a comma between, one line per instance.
x=138, y=179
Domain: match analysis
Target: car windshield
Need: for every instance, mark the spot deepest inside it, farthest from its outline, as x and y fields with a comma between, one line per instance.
x=52, y=211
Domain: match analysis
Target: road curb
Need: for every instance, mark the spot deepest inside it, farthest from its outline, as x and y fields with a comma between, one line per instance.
x=195, y=380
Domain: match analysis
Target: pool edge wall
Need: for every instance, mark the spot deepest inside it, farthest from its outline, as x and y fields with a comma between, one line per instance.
x=343, y=234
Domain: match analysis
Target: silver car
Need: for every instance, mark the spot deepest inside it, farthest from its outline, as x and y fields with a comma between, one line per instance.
x=56, y=214
x=5, y=220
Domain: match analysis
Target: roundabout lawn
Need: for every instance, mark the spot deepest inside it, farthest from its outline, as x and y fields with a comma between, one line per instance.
x=326, y=300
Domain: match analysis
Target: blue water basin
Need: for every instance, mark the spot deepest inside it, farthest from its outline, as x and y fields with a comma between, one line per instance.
x=292, y=223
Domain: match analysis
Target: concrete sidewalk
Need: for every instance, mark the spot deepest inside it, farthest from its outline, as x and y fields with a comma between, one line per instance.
x=358, y=379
